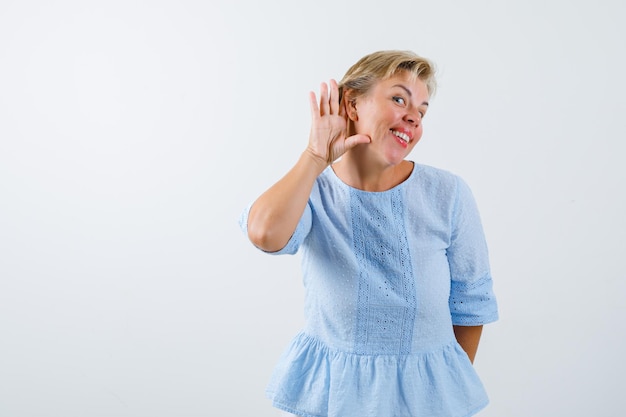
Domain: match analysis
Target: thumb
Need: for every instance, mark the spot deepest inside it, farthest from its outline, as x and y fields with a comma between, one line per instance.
x=354, y=140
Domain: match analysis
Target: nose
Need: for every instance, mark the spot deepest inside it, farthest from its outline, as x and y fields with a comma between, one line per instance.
x=413, y=117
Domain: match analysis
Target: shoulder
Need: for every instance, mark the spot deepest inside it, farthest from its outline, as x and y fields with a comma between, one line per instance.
x=440, y=187
x=326, y=178
x=324, y=183
x=432, y=178
x=328, y=191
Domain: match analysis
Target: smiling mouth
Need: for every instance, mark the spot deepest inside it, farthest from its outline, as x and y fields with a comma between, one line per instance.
x=402, y=136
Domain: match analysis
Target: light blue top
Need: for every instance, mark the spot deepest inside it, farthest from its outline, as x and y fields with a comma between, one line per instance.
x=386, y=275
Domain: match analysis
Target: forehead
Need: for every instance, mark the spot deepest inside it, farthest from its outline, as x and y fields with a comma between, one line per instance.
x=405, y=82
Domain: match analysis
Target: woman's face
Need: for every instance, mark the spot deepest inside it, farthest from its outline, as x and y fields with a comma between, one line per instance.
x=391, y=115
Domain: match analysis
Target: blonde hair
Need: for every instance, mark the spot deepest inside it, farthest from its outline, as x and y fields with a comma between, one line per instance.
x=381, y=65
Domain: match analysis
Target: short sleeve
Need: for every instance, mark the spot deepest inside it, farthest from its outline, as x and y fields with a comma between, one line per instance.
x=298, y=236
x=472, y=301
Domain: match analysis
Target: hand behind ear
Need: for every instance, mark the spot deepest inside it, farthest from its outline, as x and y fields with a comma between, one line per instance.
x=328, y=139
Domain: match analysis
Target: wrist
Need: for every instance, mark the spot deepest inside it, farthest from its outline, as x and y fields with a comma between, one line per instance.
x=317, y=162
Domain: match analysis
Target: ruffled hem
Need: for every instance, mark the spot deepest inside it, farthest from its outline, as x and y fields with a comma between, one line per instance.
x=312, y=380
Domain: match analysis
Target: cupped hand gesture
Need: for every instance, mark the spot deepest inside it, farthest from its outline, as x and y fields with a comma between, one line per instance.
x=328, y=139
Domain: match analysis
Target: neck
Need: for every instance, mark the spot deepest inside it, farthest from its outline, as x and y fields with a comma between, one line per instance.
x=369, y=175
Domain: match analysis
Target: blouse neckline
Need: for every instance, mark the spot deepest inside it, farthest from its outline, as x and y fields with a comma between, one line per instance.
x=338, y=180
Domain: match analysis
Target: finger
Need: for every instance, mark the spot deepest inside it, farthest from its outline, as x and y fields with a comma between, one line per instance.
x=324, y=107
x=355, y=140
x=315, y=110
x=334, y=97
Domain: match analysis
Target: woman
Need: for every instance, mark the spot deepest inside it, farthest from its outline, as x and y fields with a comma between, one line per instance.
x=394, y=259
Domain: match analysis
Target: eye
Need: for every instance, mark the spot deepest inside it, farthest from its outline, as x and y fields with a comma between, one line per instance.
x=422, y=114
x=398, y=100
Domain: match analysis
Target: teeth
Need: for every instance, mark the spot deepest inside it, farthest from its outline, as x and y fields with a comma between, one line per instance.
x=401, y=135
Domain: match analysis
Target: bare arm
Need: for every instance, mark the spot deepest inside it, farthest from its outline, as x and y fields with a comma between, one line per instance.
x=468, y=337
x=275, y=214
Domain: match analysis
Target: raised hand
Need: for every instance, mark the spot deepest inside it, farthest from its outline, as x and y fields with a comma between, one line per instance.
x=274, y=216
x=328, y=139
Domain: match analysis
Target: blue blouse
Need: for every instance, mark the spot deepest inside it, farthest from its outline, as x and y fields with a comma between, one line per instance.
x=386, y=276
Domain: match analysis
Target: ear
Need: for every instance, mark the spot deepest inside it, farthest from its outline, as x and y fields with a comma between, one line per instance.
x=349, y=103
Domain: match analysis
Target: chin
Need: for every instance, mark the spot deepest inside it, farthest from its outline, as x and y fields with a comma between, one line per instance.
x=396, y=159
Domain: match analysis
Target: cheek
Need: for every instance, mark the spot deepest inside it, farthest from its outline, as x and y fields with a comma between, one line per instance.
x=367, y=126
x=418, y=134
x=376, y=121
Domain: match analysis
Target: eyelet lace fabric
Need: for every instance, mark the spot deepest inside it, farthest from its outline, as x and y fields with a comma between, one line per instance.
x=386, y=299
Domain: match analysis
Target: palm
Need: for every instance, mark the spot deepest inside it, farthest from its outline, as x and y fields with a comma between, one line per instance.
x=328, y=139
x=328, y=136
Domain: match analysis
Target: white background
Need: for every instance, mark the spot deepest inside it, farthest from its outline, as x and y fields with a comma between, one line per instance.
x=133, y=133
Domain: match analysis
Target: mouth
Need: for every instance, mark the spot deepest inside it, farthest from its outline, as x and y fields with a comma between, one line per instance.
x=404, y=137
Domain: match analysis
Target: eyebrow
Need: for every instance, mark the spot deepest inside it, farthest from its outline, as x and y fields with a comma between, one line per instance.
x=408, y=92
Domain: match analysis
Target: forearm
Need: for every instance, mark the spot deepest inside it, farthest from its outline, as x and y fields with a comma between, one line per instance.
x=275, y=214
x=468, y=337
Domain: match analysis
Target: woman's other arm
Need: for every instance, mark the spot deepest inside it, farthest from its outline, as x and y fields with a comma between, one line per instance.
x=468, y=337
